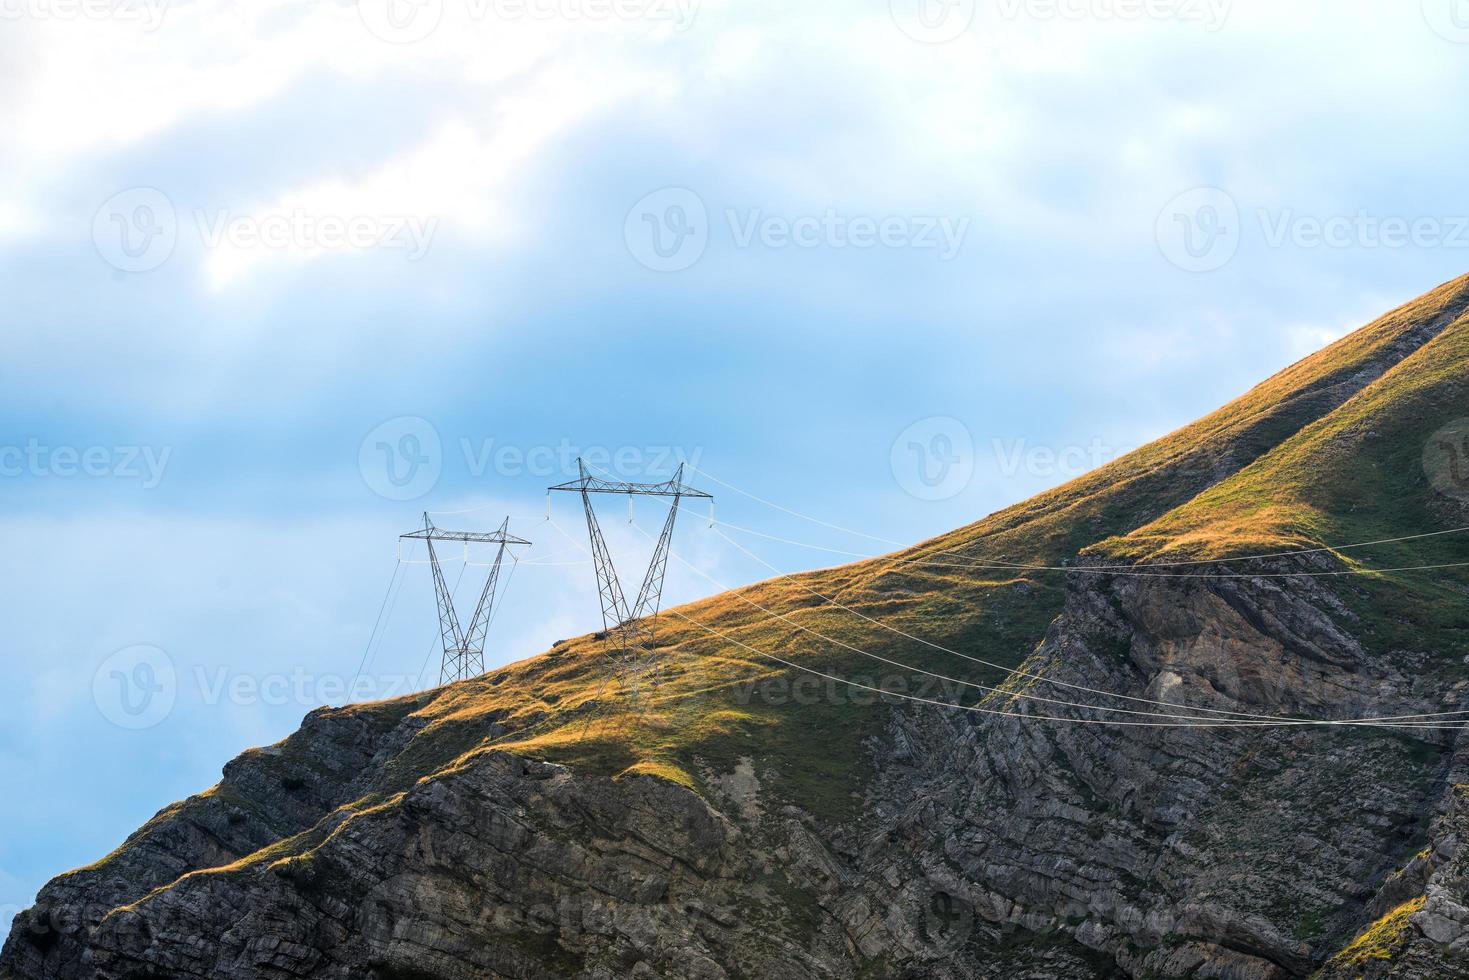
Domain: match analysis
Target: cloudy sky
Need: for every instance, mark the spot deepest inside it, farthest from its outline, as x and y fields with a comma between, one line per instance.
x=276, y=276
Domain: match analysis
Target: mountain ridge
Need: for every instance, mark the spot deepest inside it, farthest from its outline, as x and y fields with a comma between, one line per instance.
x=1089, y=853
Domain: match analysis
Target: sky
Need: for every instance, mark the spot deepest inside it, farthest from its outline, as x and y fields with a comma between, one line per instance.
x=276, y=277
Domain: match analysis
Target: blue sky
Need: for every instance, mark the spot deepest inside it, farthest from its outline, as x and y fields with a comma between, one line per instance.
x=887, y=264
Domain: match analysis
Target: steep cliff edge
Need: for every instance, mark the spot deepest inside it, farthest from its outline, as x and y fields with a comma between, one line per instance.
x=742, y=822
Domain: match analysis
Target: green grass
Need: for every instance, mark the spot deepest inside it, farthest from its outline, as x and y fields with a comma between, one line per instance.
x=1297, y=461
x=1383, y=940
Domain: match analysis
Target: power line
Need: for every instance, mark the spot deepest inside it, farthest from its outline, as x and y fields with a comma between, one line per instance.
x=1015, y=672
x=1021, y=714
x=987, y=688
x=1192, y=721
x=362, y=664
x=995, y=711
x=1102, y=569
x=1090, y=568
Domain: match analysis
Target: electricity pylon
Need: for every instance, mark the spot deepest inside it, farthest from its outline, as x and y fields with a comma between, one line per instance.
x=629, y=629
x=464, y=650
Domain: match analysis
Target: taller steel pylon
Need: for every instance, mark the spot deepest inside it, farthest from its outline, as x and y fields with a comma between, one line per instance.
x=629, y=629
x=464, y=649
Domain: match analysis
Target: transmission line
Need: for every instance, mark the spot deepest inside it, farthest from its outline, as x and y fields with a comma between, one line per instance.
x=999, y=564
x=1016, y=672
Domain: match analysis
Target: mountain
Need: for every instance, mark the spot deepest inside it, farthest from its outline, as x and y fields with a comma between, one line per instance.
x=734, y=815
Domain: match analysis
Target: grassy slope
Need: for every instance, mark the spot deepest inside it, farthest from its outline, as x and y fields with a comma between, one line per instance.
x=709, y=709
x=1356, y=475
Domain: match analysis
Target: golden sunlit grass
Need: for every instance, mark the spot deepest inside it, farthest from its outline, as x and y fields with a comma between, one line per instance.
x=1382, y=940
x=707, y=702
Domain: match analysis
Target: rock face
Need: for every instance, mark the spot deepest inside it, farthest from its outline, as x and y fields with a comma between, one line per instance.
x=432, y=838
x=986, y=847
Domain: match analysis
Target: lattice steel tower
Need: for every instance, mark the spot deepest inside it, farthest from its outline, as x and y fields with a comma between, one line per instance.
x=464, y=650
x=629, y=631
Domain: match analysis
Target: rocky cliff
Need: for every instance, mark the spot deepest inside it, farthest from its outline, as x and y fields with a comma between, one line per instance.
x=746, y=817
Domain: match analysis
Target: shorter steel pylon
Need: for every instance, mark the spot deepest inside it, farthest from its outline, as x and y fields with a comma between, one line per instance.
x=464, y=649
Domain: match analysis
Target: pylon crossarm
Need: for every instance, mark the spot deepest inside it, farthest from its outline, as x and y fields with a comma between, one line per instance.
x=586, y=483
x=431, y=533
